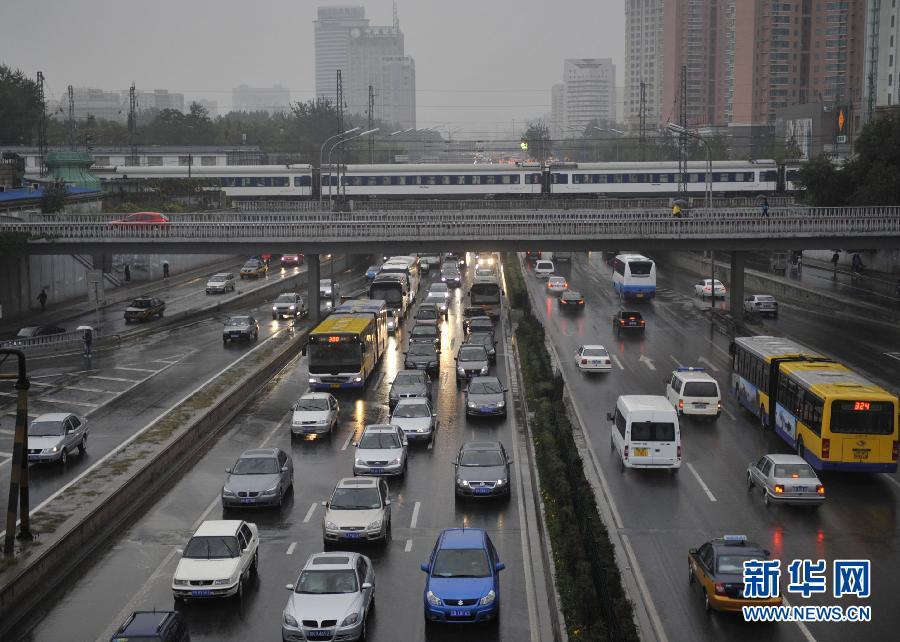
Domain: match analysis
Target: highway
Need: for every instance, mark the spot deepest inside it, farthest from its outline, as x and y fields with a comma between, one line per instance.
x=134, y=570
x=662, y=515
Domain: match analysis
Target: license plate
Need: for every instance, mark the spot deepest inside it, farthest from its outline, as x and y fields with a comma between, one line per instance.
x=376, y=471
x=235, y=335
x=640, y=452
x=318, y=635
x=460, y=613
x=248, y=500
x=860, y=453
x=350, y=535
x=335, y=386
x=639, y=295
x=481, y=491
x=33, y=457
x=486, y=409
x=801, y=489
x=201, y=593
x=700, y=405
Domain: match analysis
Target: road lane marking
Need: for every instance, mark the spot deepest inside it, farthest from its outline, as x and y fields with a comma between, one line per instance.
x=728, y=412
x=677, y=362
x=5, y=455
x=98, y=390
x=9, y=394
x=415, y=516
x=444, y=377
x=290, y=550
x=379, y=376
x=349, y=437
x=7, y=431
x=708, y=363
x=617, y=362
x=705, y=488
x=115, y=379
x=309, y=513
x=135, y=369
x=803, y=628
x=642, y=586
x=647, y=361
x=67, y=402
x=408, y=547
x=893, y=355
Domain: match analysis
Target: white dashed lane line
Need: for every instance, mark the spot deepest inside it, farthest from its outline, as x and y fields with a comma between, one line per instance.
x=616, y=361
x=408, y=547
x=415, y=516
x=309, y=513
x=102, y=378
x=290, y=549
x=134, y=369
x=703, y=485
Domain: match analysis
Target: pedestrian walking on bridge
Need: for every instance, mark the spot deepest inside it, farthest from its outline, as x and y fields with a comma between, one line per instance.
x=42, y=297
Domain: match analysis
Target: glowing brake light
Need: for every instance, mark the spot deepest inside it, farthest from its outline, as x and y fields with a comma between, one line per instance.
x=625, y=452
x=584, y=362
x=826, y=448
x=779, y=489
x=820, y=489
x=681, y=404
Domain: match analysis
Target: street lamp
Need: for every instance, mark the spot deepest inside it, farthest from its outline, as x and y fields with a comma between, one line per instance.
x=322, y=151
x=402, y=131
x=338, y=144
x=684, y=131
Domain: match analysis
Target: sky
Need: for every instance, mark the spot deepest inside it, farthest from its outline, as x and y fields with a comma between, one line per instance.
x=482, y=66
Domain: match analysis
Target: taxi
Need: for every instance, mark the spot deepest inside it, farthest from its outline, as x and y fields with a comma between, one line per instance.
x=718, y=566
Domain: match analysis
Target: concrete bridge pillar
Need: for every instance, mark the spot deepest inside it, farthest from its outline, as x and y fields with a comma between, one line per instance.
x=738, y=261
x=312, y=285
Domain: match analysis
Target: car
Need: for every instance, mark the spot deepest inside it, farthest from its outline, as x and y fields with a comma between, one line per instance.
x=145, y=308
x=458, y=258
x=471, y=361
x=359, y=511
x=704, y=288
x=451, y=276
x=240, y=327
x=32, y=331
x=315, y=413
x=381, y=450
x=439, y=300
x=485, y=270
x=409, y=383
x=254, y=268
x=593, y=358
x=52, y=436
x=292, y=260
x=217, y=561
x=693, y=391
x=485, y=396
x=785, y=479
x=329, y=292
x=482, y=470
x=543, y=269
x=331, y=599
x=422, y=356
x=220, y=283
x=259, y=477
x=628, y=321
x=462, y=584
x=289, y=304
x=372, y=271
x=485, y=259
x=439, y=287
x=571, y=300
x=151, y=220
x=478, y=325
x=486, y=340
x=425, y=333
x=416, y=418
x=153, y=626
x=532, y=255
x=428, y=314
x=761, y=304
x=429, y=262
x=557, y=284
x=718, y=567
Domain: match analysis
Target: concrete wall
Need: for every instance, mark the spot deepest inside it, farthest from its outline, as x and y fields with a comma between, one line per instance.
x=879, y=260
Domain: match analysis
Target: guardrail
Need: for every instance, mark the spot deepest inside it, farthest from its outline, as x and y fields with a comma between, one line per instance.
x=51, y=339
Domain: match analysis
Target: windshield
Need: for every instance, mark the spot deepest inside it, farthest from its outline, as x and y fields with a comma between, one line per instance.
x=285, y=298
x=311, y=404
x=327, y=582
x=733, y=564
x=485, y=388
x=407, y=380
x=355, y=499
x=461, y=562
x=481, y=458
x=640, y=268
x=595, y=352
x=325, y=283
x=421, y=349
x=437, y=299
x=427, y=313
x=481, y=339
x=238, y=321
x=701, y=389
x=217, y=279
x=140, y=303
x=481, y=325
x=423, y=331
x=652, y=431
x=388, y=293
x=411, y=411
x=863, y=417
x=379, y=440
x=473, y=353
x=206, y=548
x=372, y=268
x=450, y=271
x=46, y=429
x=438, y=287
x=795, y=471
x=485, y=293
x=252, y=264
x=339, y=357
x=255, y=466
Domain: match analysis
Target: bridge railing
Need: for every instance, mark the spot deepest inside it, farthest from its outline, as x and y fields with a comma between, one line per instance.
x=24, y=343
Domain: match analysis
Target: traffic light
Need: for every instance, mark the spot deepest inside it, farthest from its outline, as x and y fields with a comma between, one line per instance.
x=524, y=144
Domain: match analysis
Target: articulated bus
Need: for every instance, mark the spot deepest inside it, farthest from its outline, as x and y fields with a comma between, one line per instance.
x=634, y=276
x=379, y=311
x=486, y=294
x=834, y=418
x=343, y=351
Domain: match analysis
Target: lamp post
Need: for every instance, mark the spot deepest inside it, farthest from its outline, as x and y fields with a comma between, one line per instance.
x=322, y=152
x=338, y=144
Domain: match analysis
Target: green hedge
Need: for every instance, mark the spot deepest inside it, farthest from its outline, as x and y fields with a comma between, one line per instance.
x=593, y=602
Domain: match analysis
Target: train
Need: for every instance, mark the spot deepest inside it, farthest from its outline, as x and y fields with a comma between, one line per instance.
x=450, y=181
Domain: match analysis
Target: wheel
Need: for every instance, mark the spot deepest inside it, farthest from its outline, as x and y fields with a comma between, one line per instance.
x=254, y=565
x=749, y=482
x=82, y=447
x=362, y=633
x=64, y=456
x=706, y=605
x=766, y=499
x=691, y=578
x=240, y=592
x=162, y=313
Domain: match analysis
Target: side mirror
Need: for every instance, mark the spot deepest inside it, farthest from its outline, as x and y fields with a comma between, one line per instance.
x=387, y=502
x=228, y=470
x=610, y=416
x=424, y=567
x=499, y=566
x=325, y=504
x=367, y=585
x=289, y=587
x=692, y=551
x=284, y=468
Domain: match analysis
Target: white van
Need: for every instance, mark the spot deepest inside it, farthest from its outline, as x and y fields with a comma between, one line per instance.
x=543, y=269
x=692, y=391
x=645, y=432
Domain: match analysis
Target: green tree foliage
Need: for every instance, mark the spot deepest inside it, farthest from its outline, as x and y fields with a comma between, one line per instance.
x=19, y=107
x=825, y=184
x=54, y=199
x=538, y=137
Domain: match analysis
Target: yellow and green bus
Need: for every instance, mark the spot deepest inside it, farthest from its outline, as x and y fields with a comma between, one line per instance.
x=344, y=349
x=834, y=418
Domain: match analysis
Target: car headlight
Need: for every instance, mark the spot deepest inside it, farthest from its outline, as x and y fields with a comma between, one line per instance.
x=357, y=379
x=222, y=582
x=360, y=462
x=461, y=370
x=293, y=307
x=181, y=583
x=501, y=403
x=353, y=618
x=274, y=308
x=444, y=279
x=488, y=599
x=48, y=451
x=395, y=461
x=290, y=620
x=500, y=482
x=471, y=404
x=270, y=491
x=375, y=526
x=331, y=526
x=312, y=380
x=484, y=370
x=434, y=599
x=227, y=492
x=462, y=482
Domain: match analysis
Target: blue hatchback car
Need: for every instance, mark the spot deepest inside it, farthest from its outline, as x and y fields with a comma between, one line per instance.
x=372, y=272
x=463, y=584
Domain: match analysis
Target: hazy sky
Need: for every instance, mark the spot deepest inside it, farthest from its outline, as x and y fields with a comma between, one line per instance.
x=480, y=64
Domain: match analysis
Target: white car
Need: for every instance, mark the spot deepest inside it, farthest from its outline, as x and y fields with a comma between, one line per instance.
x=557, y=284
x=543, y=269
x=217, y=561
x=220, y=283
x=52, y=436
x=439, y=287
x=381, y=451
x=315, y=413
x=593, y=358
x=761, y=304
x=692, y=391
x=415, y=417
x=359, y=511
x=439, y=300
x=704, y=288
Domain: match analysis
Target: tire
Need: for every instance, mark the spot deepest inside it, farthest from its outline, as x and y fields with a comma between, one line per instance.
x=762, y=418
x=766, y=500
x=239, y=596
x=706, y=605
x=64, y=457
x=750, y=484
x=362, y=633
x=254, y=565
x=82, y=447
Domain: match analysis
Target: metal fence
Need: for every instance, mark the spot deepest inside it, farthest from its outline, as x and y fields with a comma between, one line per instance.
x=49, y=340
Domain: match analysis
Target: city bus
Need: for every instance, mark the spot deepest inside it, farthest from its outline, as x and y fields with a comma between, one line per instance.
x=343, y=351
x=393, y=289
x=378, y=309
x=634, y=276
x=408, y=265
x=834, y=418
x=486, y=294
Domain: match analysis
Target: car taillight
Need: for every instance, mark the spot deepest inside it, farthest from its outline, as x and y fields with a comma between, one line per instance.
x=820, y=489
x=621, y=321
x=581, y=303
x=779, y=489
x=642, y=322
x=719, y=405
x=625, y=452
x=894, y=450
x=826, y=448
x=681, y=404
x=720, y=588
x=584, y=362
x=679, y=451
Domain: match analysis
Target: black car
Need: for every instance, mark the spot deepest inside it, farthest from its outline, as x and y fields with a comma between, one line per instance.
x=39, y=331
x=629, y=321
x=486, y=340
x=422, y=356
x=159, y=626
x=478, y=325
x=571, y=300
x=425, y=333
x=482, y=470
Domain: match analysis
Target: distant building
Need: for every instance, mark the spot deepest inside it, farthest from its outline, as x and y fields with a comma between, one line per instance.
x=368, y=48
x=882, y=58
x=158, y=99
x=643, y=61
x=396, y=100
x=211, y=106
x=333, y=30
x=589, y=94
x=273, y=100
x=89, y=101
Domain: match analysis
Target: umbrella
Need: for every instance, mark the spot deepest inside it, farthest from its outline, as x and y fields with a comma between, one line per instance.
x=680, y=202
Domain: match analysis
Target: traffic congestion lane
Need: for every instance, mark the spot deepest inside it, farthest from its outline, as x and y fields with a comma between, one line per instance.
x=663, y=515
x=135, y=570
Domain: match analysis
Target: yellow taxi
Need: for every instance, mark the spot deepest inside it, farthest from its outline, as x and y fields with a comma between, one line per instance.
x=718, y=567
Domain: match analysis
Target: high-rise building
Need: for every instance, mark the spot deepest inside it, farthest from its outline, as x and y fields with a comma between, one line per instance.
x=558, y=111
x=396, y=100
x=89, y=101
x=273, y=100
x=211, y=106
x=643, y=60
x=882, y=58
x=333, y=30
x=157, y=100
x=368, y=48
x=589, y=94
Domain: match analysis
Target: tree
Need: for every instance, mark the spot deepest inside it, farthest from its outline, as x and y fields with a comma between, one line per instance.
x=54, y=198
x=877, y=163
x=537, y=137
x=825, y=184
x=20, y=107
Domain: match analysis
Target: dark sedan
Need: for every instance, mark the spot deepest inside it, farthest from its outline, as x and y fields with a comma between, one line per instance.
x=477, y=325
x=421, y=356
x=571, y=300
x=422, y=333
x=482, y=470
x=487, y=341
x=144, y=309
x=409, y=383
x=485, y=397
x=451, y=277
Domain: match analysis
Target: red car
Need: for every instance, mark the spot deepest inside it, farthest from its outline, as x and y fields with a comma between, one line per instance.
x=142, y=219
x=288, y=260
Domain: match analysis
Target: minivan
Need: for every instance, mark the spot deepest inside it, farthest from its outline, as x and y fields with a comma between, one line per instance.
x=543, y=269
x=645, y=432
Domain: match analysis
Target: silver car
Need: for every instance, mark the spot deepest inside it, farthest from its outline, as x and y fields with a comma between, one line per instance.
x=786, y=479
x=289, y=304
x=409, y=383
x=220, y=283
x=239, y=328
x=428, y=314
x=52, y=436
x=439, y=300
x=471, y=361
x=260, y=477
x=485, y=396
x=381, y=451
x=359, y=511
x=330, y=600
x=315, y=413
x=416, y=418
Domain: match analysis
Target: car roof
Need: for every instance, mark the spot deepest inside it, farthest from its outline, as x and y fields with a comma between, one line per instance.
x=392, y=428
x=52, y=416
x=410, y=372
x=412, y=401
x=484, y=380
x=332, y=561
x=481, y=318
x=218, y=527
x=786, y=459
x=721, y=545
x=222, y=274
x=258, y=453
x=594, y=346
x=570, y=293
x=481, y=445
x=472, y=346
x=557, y=277
x=694, y=375
x=144, y=623
x=315, y=395
x=357, y=482
x=462, y=538
x=646, y=402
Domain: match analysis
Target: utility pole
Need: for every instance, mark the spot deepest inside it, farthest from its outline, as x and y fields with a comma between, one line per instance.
x=372, y=119
x=71, y=118
x=132, y=125
x=682, y=138
x=42, y=123
x=643, y=120
x=339, y=94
